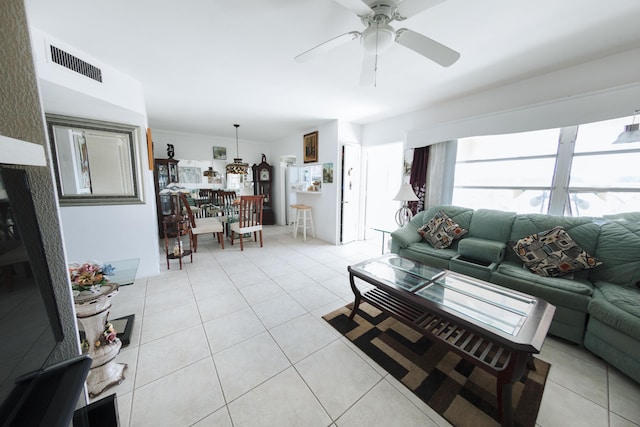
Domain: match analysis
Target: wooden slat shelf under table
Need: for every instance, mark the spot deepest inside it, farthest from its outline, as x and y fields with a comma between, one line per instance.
x=499, y=330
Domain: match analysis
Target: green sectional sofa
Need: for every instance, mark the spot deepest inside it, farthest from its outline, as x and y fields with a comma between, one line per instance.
x=598, y=307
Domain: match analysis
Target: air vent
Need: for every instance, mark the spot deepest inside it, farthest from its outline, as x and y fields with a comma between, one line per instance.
x=76, y=64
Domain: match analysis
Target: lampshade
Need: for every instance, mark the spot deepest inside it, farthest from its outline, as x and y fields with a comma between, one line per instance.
x=406, y=194
x=237, y=167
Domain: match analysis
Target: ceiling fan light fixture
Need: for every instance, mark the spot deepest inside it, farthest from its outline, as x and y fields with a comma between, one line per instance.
x=378, y=38
x=631, y=132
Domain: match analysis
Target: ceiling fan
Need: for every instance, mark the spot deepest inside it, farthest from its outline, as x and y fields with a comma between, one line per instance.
x=378, y=35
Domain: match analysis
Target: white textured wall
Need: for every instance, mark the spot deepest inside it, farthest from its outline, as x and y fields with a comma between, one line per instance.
x=113, y=232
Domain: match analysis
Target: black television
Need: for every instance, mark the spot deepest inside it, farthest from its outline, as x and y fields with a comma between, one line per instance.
x=33, y=391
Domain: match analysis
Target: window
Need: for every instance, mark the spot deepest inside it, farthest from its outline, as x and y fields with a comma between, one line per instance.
x=604, y=178
x=574, y=171
x=508, y=172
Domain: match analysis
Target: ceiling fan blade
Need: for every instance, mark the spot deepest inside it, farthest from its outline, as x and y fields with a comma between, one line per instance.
x=427, y=47
x=368, y=73
x=356, y=6
x=326, y=46
x=409, y=8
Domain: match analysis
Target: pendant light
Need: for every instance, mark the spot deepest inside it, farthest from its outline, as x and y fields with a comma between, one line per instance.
x=631, y=132
x=237, y=167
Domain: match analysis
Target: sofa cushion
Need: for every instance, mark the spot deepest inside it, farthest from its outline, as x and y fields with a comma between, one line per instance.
x=583, y=230
x=621, y=261
x=576, y=286
x=617, y=306
x=440, y=231
x=553, y=253
x=459, y=214
x=491, y=225
x=481, y=249
x=424, y=249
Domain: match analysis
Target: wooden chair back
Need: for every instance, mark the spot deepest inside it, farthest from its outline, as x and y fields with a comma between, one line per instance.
x=215, y=197
x=251, y=211
x=208, y=194
x=227, y=197
x=226, y=201
x=184, y=207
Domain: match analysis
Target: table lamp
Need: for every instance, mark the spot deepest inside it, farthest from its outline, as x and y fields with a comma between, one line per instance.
x=405, y=194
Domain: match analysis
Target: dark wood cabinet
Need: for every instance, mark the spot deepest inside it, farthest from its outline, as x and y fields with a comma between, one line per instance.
x=165, y=172
x=263, y=184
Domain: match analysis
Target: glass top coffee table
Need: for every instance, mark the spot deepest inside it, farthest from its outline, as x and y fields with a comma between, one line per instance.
x=495, y=328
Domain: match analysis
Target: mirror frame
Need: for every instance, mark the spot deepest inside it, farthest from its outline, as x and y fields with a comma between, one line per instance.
x=90, y=199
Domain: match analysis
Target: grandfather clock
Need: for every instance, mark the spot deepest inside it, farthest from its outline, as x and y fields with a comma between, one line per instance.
x=262, y=183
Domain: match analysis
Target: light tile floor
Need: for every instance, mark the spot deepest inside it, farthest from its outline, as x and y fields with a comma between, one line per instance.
x=237, y=339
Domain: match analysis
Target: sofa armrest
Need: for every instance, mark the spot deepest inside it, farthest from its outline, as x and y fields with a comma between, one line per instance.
x=402, y=237
x=482, y=249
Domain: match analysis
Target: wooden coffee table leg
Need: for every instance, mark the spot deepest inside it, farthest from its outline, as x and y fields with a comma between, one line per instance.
x=506, y=378
x=358, y=297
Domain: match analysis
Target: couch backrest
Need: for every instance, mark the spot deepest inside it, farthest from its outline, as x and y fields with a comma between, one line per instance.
x=460, y=215
x=612, y=239
x=583, y=230
x=491, y=224
x=619, y=250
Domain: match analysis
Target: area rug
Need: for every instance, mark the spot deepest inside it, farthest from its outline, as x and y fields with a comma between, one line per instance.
x=462, y=393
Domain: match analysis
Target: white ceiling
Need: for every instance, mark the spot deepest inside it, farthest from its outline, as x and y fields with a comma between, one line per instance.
x=206, y=64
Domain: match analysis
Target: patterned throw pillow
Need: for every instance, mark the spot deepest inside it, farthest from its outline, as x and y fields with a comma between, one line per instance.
x=553, y=253
x=441, y=230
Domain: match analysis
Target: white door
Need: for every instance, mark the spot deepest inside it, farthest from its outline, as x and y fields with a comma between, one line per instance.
x=350, y=193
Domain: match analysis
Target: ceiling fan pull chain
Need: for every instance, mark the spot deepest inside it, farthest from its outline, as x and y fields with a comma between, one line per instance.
x=375, y=67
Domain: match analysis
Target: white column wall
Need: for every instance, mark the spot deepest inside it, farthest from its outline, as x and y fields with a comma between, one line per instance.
x=103, y=232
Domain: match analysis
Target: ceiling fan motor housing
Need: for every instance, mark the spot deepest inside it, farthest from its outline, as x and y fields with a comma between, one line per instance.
x=379, y=35
x=377, y=38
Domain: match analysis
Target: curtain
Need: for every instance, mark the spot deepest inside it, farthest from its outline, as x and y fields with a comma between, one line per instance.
x=442, y=161
x=418, y=179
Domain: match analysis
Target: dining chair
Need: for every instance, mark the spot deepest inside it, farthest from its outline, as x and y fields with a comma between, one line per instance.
x=202, y=225
x=249, y=219
x=229, y=209
x=227, y=198
x=196, y=210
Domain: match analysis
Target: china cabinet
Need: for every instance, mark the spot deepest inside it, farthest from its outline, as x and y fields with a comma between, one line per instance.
x=165, y=172
x=263, y=184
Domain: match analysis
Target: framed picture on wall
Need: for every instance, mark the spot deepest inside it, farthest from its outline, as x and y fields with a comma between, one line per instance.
x=327, y=173
x=219, y=153
x=310, y=147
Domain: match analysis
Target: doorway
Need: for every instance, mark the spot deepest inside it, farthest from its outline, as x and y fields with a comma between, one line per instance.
x=349, y=193
x=384, y=168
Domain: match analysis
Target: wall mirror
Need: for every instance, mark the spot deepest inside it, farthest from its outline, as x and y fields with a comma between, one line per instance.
x=94, y=161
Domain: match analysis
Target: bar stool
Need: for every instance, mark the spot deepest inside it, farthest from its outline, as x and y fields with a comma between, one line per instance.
x=304, y=219
x=294, y=212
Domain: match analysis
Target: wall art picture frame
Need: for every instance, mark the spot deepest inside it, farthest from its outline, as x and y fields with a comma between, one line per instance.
x=310, y=147
x=219, y=153
x=327, y=173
